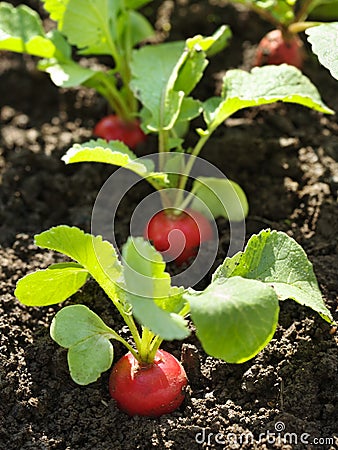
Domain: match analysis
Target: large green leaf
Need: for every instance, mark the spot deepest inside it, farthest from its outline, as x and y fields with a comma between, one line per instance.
x=148, y=289
x=97, y=256
x=152, y=85
x=324, y=42
x=276, y=259
x=21, y=31
x=234, y=318
x=222, y=197
x=50, y=286
x=117, y=154
x=87, y=337
x=90, y=25
x=261, y=86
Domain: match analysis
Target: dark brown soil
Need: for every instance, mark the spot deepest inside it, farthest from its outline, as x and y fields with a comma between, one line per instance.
x=284, y=157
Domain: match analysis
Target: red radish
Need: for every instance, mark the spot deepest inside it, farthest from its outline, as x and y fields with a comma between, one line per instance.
x=112, y=128
x=148, y=389
x=179, y=235
x=276, y=49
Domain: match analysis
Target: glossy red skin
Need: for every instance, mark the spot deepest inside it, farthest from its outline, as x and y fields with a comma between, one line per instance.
x=274, y=49
x=113, y=128
x=150, y=390
x=195, y=227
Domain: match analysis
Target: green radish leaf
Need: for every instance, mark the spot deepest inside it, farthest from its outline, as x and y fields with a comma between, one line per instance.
x=282, y=11
x=191, y=65
x=67, y=74
x=87, y=337
x=174, y=302
x=220, y=197
x=97, y=256
x=63, y=71
x=220, y=40
x=263, y=85
x=272, y=83
x=115, y=153
x=21, y=31
x=172, y=71
x=148, y=290
x=323, y=40
x=140, y=28
x=152, y=83
x=207, y=43
x=98, y=18
x=276, y=259
x=56, y=9
x=235, y=318
x=63, y=50
x=50, y=286
x=190, y=109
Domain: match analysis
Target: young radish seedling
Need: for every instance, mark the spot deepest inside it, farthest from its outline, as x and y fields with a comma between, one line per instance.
x=289, y=17
x=92, y=27
x=235, y=316
x=163, y=79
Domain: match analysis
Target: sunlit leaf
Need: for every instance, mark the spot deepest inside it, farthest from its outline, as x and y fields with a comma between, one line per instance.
x=87, y=337
x=276, y=259
x=263, y=85
x=21, y=31
x=222, y=197
x=50, y=286
x=235, y=318
x=115, y=153
x=148, y=289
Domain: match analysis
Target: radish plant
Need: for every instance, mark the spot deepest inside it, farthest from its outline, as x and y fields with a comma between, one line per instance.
x=163, y=79
x=100, y=27
x=289, y=17
x=235, y=316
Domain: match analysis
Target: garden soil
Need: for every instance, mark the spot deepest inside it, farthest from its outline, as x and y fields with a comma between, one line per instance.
x=285, y=158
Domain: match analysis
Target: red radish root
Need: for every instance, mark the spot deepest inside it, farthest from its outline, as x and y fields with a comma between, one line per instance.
x=178, y=235
x=148, y=389
x=113, y=128
x=276, y=49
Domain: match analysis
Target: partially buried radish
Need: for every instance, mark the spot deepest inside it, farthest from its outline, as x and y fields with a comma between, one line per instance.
x=112, y=128
x=148, y=389
x=277, y=48
x=178, y=234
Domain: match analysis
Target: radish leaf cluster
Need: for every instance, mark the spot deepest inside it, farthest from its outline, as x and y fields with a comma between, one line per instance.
x=235, y=316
